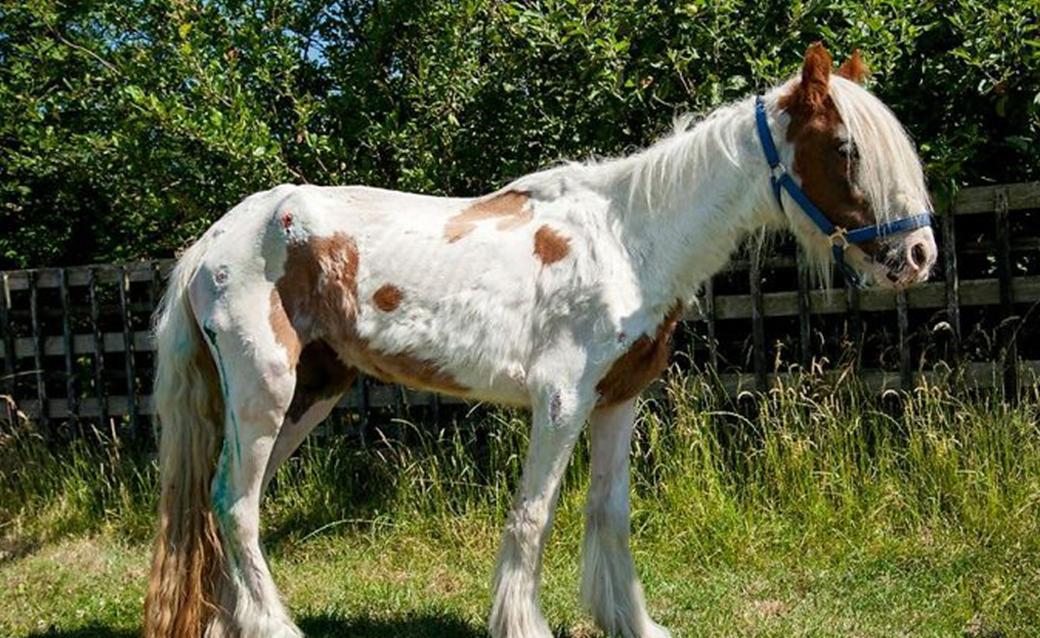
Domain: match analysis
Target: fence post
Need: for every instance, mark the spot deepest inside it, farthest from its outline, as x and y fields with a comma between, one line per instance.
x=1008, y=324
x=951, y=280
x=804, y=310
x=855, y=324
x=709, y=319
x=906, y=373
x=99, y=347
x=71, y=399
x=38, y=350
x=128, y=351
x=10, y=368
x=758, y=324
x=361, y=388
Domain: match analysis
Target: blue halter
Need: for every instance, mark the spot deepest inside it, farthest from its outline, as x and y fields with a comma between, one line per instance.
x=840, y=237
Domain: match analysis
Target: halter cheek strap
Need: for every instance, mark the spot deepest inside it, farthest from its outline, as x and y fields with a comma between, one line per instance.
x=840, y=237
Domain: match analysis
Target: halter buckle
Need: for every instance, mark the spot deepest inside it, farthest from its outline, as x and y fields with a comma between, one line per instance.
x=839, y=238
x=777, y=171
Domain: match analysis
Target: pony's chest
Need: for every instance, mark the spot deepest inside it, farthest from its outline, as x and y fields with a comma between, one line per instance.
x=635, y=367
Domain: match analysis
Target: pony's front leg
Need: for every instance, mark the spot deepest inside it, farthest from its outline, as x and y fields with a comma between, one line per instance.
x=555, y=425
x=610, y=588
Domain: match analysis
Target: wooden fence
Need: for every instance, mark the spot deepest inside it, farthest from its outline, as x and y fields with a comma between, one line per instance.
x=77, y=347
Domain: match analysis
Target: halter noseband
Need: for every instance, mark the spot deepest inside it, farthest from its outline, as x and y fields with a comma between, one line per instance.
x=840, y=237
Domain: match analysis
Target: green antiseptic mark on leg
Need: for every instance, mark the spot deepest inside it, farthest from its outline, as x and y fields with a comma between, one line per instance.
x=221, y=497
x=221, y=501
x=224, y=388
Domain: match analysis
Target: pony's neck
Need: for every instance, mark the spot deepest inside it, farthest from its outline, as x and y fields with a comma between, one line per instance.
x=684, y=205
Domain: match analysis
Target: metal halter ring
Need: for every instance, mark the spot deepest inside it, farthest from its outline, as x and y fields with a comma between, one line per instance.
x=840, y=237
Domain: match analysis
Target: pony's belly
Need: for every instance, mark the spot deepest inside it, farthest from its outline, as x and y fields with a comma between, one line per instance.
x=433, y=370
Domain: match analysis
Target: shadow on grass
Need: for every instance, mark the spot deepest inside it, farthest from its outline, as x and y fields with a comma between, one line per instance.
x=412, y=626
x=325, y=626
x=89, y=631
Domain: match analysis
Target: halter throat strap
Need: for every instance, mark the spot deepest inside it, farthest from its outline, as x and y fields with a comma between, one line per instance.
x=840, y=237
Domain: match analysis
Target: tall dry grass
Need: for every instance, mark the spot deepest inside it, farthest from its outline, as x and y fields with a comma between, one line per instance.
x=808, y=462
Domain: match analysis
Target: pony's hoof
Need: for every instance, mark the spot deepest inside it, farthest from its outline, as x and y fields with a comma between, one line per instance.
x=656, y=631
x=520, y=625
x=258, y=627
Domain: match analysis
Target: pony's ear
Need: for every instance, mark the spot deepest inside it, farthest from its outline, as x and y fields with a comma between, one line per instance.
x=854, y=68
x=816, y=76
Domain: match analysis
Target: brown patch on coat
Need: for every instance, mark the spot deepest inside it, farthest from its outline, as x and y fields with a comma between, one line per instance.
x=388, y=297
x=320, y=374
x=318, y=291
x=641, y=363
x=550, y=245
x=284, y=333
x=404, y=369
x=854, y=68
x=319, y=286
x=510, y=207
x=825, y=170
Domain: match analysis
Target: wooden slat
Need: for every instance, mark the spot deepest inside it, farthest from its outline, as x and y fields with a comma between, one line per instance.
x=973, y=292
x=976, y=374
x=382, y=396
x=85, y=344
x=80, y=275
x=979, y=199
x=981, y=246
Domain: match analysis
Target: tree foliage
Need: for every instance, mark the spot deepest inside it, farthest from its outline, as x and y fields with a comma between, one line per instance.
x=126, y=126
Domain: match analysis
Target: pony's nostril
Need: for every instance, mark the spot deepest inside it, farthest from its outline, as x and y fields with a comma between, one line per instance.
x=918, y=256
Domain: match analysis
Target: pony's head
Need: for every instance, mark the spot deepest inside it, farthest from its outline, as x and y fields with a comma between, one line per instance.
x=856, y=163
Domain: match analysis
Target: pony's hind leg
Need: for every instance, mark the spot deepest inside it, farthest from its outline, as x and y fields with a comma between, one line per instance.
x=321, y=379
x=257, y=381
x=610, y=587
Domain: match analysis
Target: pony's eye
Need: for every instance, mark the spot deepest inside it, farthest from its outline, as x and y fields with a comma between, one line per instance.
x=848, y=150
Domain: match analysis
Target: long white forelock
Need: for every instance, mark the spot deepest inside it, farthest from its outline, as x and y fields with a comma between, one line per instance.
x=889, y=166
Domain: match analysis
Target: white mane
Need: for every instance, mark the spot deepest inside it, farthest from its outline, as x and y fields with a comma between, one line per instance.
x=660, y=174
x=889, y=168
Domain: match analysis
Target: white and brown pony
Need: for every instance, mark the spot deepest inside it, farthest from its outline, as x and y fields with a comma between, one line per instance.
x=558, y=293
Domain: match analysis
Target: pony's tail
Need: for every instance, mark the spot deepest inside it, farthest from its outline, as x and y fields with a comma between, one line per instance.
x=187, y=560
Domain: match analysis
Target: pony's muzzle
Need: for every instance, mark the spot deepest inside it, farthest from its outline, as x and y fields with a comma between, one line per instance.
x=911, y=257
x=921, y=254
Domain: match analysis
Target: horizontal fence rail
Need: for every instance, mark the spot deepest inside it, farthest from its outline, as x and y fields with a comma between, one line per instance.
x=76, y=342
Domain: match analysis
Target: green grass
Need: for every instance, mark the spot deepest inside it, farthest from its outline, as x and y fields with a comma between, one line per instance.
x=820, y=511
